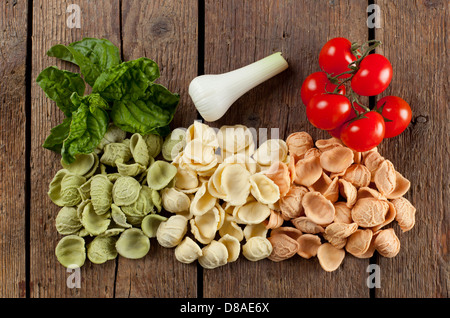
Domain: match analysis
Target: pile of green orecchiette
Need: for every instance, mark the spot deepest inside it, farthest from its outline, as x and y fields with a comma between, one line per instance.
x=110, y=199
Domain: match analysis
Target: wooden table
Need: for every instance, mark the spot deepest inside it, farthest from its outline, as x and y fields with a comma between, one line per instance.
x=189, y=38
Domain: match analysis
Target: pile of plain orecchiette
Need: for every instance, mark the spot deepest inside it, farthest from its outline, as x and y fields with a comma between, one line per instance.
x=224, y=196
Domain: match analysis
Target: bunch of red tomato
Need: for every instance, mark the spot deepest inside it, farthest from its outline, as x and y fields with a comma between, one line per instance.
x=331, y=99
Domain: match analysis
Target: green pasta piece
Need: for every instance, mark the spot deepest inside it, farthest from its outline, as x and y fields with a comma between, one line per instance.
x=71, y=251
x=82, y=165
x=93, y=223
x=101, y=191
x=125, y=191
x=139, y=150
x=133, y=244
x=160, y=174
x=114, y=151
x=151, y=223
x=118, y=216
x=143, y=205
x=154, y=144
x=102, y=249
x=67, y=221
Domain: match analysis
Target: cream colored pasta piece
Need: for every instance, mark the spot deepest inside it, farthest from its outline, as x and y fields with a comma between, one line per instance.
x=264, y=189
x=202, y=132
x=142, y=206
x=248, y=162
x=235, y=139
x=283, y=247
x=84, y=165
x=71, y=251
x=174, y=144
x=102, y=249
x=101, y=193
x=343, y=213
x=119, y=217
x=160, y=174
x=139, y=150
x=154, y=144
x=328, y=187
x=233, y=247
x=330, y=257
x=203, y=201
x=199, y=156
x=171, y=232
x=369, y=212
x=175, y=201
x=115, y=151
x=252, y=212
x=328, y=144
x=188, y=251
x=348, y=191
x=257, y=248
x=385, y=178
x=205, y=226
x=129, y=169
x=113, y=135
x=133, y=244
x=67, y=221
x=298, y=143
x=125, y=191
x=308, y=170
x=291, y=204
x=405, y=213
x=186, y=178
x=275, y=220
x=359, y=242
x=387, y=243
x=235, y=184
x=251, y=230
x=150, y=224
x=358, y=175
x=93, y=223
x=308, y=245
x=317, y=208
x=305, y=225
x=214, y=255
x=402, y=186
x=271, y=151
x=231, y=227
x=278, y=172
x=337, y=159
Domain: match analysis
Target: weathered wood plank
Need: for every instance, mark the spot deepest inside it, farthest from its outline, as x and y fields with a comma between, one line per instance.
x=238, y=33
x=165, y=31
x=13, y=52
x=415, y=40
x=47, y=277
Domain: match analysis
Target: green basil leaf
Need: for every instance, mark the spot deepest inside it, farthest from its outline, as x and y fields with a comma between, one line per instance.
x=59, y=85
x=88, y=126
x=128, y=80
x=150, y=114
x=93, y=56
x=57, y=136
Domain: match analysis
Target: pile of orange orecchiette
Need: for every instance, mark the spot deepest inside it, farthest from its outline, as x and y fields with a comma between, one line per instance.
x=315, y=199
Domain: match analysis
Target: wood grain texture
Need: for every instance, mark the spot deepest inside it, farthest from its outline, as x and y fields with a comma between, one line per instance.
x=415, y=40
x=47, y=277
x=236, y=34
x=166, y=32
x=13, y=55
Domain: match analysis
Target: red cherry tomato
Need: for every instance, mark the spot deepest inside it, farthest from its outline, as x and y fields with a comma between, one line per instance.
x=398, y=111
x=337, y=131
x=328, y=111
x=365, y=133
x=335, y=56
x=373, y=76
x=317, y=83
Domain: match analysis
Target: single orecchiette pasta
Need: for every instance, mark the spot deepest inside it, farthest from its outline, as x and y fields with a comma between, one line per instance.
x=308, y=170
x=387, y=243
x=337, y=159
x=308, y=245
x=291, y=204
x=188, y=251
x=264, y=189
x=252, y=212
x=205, y=226
x=115, y=151
x=154, y=144
x=133, y=244
x=63, y=189
x=214, y=254
x=113, y=135
x=71, y=251
x=271, y=151
x=67, y=221
x=369, y=212
x=358, y=175
x=257, y=248
x=94, y=223
x=174, y=144
x=251, y=230
x=102, y=249
x=235, y=139
x=175, y=201
x=233, y=247
x=101, y=193
x=278, y=172
x=150, y=224
x=139, y=150
x=171, y=232
x=359, y=242
x=317, y=208
x=84, y=165
x=160, y=174
x=330, y=257
x=125, y=191
x=405, y=213
x=298, y=143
